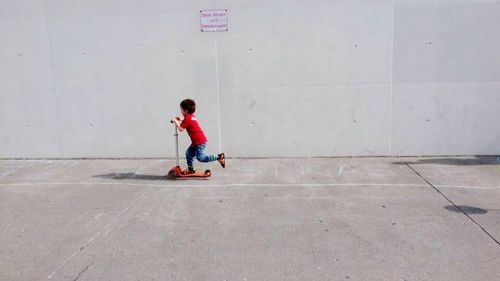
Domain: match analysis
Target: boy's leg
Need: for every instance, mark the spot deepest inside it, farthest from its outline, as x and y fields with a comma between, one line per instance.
x=190, y=154
x=202, y=157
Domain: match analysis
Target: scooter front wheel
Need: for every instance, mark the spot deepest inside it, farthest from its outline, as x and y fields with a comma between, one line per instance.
x=171, y=174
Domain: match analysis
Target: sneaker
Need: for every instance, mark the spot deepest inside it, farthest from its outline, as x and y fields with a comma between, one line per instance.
x=222, y=160
x=188, y=171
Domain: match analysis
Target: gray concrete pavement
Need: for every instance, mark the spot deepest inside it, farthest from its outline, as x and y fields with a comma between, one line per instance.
x=259, y=219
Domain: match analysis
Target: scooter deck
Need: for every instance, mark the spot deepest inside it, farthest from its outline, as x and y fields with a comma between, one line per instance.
x=176, y=173
x=206, y=174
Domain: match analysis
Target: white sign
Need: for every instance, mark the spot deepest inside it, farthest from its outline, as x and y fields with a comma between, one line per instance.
x=213, y=20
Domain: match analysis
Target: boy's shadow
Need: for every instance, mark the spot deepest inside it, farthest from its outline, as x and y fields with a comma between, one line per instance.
x=132, y=176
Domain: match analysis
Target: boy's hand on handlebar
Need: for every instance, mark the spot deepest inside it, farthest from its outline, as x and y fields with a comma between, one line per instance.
x=175, y=119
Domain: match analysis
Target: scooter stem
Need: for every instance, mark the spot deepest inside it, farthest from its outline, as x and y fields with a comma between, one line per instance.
x=176, y=147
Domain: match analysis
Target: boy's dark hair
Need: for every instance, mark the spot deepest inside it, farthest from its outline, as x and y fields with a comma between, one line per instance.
x=188, y=105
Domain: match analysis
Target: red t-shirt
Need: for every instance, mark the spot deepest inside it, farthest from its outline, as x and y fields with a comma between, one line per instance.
x=194, y=130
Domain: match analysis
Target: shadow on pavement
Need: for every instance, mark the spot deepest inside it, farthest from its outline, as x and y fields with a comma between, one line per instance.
x=477, y=160
x=466, y=209
x=132, y=176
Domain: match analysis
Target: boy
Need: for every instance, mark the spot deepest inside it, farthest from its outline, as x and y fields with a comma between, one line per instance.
x=198, y=138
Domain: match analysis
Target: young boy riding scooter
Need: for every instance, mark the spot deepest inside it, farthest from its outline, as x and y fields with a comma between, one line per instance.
x=198, y=138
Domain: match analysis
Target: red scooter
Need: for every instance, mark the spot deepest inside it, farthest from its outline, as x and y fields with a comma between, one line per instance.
x=176, y=172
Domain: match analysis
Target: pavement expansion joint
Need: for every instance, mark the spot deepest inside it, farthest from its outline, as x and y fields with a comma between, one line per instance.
x=452, y=203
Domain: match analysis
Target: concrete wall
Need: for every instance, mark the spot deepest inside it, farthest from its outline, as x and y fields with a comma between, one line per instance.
x=101, y=78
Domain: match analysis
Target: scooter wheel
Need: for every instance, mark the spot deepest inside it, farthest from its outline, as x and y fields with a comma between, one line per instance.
x=208, y=173
x=171, y=174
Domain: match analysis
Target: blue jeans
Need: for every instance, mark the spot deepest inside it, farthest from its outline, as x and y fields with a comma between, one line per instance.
x=198, y=151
